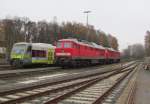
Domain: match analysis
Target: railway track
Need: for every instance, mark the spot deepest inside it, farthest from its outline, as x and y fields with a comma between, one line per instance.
x=21, y=81
x=16, y=72
x=59, y=89
x=32, y=81
x=91, y=93
x=128, y=94
x=5, y=67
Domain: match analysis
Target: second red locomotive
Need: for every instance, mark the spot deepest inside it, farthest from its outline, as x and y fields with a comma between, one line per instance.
x=71, y=52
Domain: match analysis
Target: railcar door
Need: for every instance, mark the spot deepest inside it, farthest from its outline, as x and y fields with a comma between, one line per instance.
x=28, y=55
x=50, y=56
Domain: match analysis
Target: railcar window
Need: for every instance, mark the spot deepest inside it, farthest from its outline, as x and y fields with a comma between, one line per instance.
x=67, y=45
x=38, y=53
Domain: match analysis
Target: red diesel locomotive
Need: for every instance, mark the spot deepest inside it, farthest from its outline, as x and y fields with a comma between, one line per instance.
x=71, y=52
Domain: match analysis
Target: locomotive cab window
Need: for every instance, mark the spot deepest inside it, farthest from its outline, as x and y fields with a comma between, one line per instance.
x=59, y=44
x=67, y=45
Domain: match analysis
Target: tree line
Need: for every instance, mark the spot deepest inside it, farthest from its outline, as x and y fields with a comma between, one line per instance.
x=19, y=29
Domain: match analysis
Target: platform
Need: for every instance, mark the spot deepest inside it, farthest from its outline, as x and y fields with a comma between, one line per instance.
x=142, y=95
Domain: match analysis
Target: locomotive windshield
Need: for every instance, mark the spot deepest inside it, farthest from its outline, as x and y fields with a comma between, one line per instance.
x=64, y=44
x=19, y=49
x=67, y=45
x=59, y=44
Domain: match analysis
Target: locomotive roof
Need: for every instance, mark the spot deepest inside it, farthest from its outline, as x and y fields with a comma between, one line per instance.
x=111, y=49
x=90, y=44
x=74, y=40
x=85, y=43
x=97, y=46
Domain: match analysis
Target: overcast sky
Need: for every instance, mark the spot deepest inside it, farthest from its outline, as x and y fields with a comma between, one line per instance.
x=128, y=20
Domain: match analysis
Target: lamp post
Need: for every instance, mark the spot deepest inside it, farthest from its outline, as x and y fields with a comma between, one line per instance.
x=87, y=12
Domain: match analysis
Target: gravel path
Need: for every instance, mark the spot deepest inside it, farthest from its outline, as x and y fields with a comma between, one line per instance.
x=143, y=87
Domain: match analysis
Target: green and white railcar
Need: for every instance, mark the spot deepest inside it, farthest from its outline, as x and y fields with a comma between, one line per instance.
x=32, y=53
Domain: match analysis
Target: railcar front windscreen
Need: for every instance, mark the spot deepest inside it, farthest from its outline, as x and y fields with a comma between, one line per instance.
x=19, y=49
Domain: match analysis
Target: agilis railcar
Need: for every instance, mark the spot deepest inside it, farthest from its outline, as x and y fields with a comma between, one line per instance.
x=24, y=54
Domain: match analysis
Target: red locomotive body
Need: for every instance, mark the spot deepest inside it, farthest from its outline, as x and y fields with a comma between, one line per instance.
x=71, y=52
x=112, y=55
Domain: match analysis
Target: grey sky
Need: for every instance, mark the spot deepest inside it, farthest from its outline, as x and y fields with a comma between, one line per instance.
x=128, y=20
